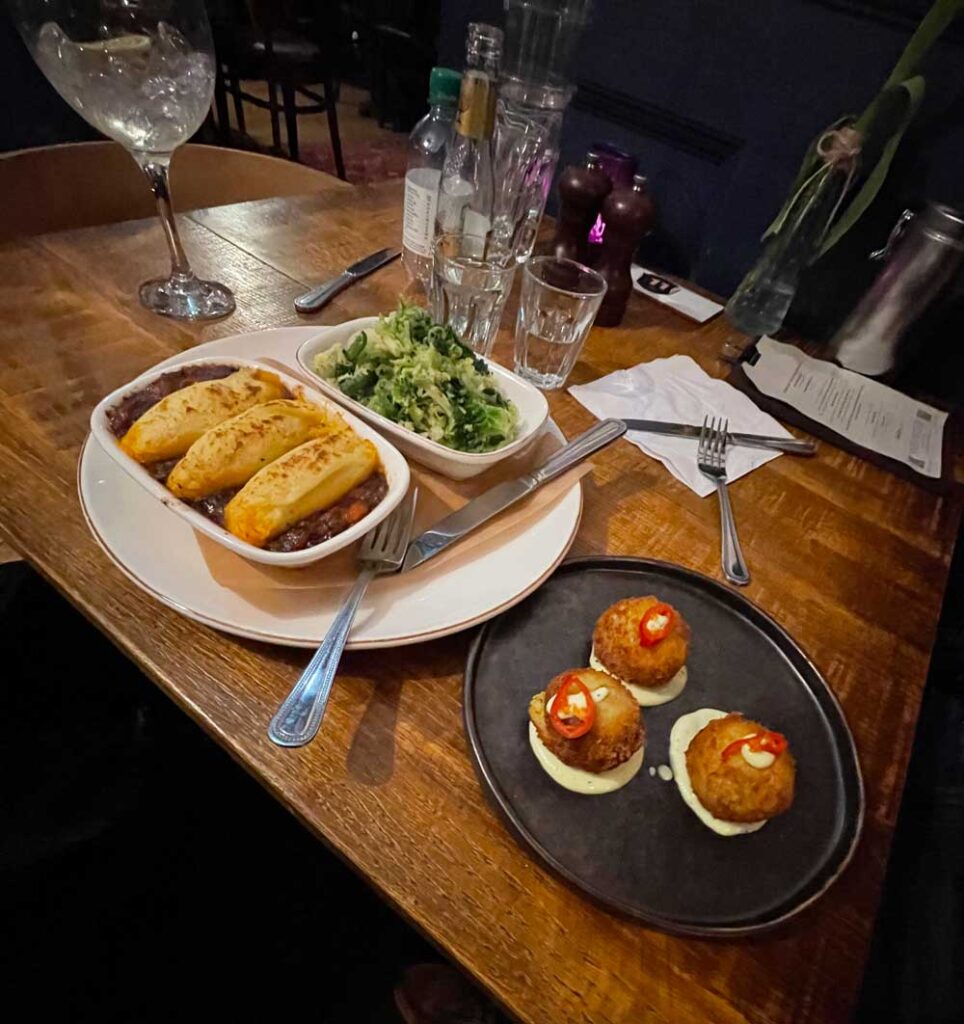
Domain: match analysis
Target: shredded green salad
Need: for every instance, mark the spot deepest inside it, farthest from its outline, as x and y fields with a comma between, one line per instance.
x=418, y=374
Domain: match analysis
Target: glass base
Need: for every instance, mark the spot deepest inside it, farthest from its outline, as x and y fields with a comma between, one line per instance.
x=544, y=381
x=187, y=297
x=732, y=349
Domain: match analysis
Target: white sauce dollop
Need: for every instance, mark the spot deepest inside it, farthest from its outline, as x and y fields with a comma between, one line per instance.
x=578, y=780
x=684, y=730
x=665, y=772
x=757, y=758
x=646, y=696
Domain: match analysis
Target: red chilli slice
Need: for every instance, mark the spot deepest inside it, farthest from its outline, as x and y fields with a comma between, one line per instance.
x=572, y=720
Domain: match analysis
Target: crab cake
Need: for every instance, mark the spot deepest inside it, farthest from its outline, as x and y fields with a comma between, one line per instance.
x=592, y=743
x=740, y=771
x=643, y=642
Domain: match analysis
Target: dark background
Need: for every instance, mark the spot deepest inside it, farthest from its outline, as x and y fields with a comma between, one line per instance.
x=717, y=98
x=720, y=98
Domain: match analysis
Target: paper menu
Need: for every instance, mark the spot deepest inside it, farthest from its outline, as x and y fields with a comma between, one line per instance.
x=862, y=410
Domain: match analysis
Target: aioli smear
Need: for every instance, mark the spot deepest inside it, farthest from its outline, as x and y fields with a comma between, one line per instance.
x=683, y=732
x=578, y=780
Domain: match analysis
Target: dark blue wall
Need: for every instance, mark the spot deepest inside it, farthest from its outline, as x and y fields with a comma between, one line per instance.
x=719, y=99
x=31, y=112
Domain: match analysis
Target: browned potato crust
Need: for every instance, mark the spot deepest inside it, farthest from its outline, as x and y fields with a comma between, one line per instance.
x=616, y=640
x=734, y=790
x=616, y=734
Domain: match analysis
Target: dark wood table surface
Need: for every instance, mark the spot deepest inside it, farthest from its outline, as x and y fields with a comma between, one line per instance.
x=851, y=560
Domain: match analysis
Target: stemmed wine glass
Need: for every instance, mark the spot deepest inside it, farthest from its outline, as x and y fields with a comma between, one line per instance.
x=141, y=72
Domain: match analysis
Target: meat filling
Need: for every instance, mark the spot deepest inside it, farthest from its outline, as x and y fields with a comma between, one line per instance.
x=328, y=523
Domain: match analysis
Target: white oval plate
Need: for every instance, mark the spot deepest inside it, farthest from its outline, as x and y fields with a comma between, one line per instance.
x=409, y=608
x=529, y=401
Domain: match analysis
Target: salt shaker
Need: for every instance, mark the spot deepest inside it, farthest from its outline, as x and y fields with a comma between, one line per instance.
x=922, y=253
x=628, y=213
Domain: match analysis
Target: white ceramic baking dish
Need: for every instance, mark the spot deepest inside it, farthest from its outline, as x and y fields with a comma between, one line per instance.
x=529, y=400
x=393, y=464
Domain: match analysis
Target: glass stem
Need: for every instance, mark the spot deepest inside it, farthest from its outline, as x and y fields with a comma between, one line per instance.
x=156, y=170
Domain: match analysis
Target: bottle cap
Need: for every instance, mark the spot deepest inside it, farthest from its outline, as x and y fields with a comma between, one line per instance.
x=444, y=85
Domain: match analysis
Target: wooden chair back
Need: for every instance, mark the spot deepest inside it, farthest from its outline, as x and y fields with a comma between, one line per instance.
x=82, y=184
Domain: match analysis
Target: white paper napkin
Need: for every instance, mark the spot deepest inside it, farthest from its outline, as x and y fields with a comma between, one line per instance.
x=677, y=390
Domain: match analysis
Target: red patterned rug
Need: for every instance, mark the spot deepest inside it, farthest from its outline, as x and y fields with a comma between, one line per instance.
x=365, y=163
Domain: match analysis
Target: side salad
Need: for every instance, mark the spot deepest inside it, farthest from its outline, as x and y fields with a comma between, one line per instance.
x=418, y=374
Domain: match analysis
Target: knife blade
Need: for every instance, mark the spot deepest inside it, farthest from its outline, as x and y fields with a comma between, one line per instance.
x=312, y=301
x=496, y=499
x=791, y=445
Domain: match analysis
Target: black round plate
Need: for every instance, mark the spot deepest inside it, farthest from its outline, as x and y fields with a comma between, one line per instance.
x=641, y=850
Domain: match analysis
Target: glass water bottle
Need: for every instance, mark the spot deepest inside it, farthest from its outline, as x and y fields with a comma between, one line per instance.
x=467, y=187
x=427, y=146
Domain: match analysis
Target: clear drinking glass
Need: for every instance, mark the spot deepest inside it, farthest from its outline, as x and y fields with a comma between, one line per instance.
x=559, y=301
x=469, y=288
x=141, y=72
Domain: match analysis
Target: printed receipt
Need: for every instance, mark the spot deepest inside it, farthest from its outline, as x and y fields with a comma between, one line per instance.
x=862, y=410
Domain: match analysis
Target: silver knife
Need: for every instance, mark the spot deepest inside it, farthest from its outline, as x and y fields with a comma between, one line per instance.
x=793, y=446
x=481, y=509
x=312, y=301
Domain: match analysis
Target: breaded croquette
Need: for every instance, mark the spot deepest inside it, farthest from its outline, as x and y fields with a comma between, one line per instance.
x=618, y=648
x=720, y=760
x=617, y=730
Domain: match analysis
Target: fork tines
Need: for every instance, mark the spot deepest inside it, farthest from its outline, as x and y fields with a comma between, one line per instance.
x=713, y=435
x=388, y=541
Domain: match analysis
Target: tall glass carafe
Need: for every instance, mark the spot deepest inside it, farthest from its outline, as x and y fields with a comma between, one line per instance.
x=467, y=187
x=534, y=91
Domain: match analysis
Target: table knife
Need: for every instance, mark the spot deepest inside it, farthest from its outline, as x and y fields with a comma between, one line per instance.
x=791, y=445
x=481, y=509
x=312, y=301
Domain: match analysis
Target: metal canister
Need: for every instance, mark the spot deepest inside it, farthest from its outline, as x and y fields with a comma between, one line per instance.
x=923, y=253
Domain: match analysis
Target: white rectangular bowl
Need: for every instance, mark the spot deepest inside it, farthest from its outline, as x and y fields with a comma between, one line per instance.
x=530, y=402
x=394, y=465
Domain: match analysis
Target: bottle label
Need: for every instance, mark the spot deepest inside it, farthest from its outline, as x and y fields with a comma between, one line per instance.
x=476, y=116
x=421, y=202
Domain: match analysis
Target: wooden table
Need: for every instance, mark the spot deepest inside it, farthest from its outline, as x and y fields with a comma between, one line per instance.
x=851, y=560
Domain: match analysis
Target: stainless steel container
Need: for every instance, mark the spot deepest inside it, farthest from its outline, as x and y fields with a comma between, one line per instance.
x=923, y=253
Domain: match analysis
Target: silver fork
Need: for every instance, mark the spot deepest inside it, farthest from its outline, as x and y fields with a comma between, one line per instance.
x=711, y=458
x=299, y=717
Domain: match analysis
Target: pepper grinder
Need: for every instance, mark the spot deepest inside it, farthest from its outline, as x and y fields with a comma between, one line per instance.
x=581, y=194
x=628, y=213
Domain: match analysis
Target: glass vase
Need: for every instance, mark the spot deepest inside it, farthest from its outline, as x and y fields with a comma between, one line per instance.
x=759, y=305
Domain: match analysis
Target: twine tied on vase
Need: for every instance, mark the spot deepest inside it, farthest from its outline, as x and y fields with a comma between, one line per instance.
x=840, y=149
x=837, y=149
